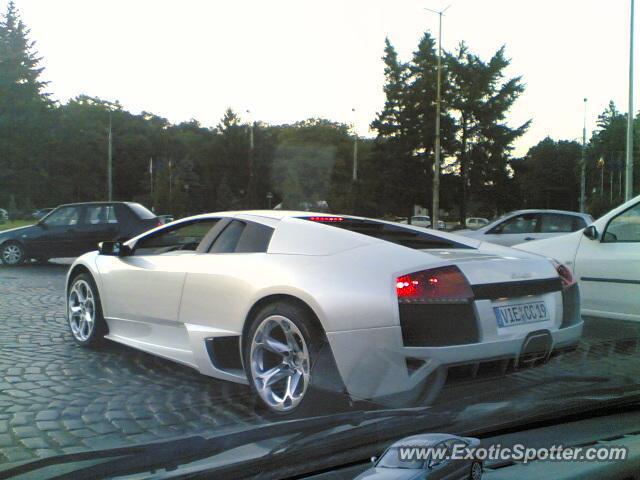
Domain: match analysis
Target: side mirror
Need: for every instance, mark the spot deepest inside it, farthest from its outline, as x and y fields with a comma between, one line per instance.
x=114, y=249
x=374, y=459
x=591, y=232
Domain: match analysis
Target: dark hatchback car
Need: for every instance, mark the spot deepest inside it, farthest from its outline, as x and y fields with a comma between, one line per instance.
x=73, y=229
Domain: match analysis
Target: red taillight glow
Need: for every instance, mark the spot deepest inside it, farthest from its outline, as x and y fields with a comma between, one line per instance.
x=565, y=274
x=326, y=219
x=439, y=285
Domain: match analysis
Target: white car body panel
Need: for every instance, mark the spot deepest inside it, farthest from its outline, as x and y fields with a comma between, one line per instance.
x=593, y=263
x=169, y=304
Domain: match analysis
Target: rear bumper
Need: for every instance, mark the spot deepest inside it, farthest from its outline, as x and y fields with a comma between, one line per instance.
x=375, y=363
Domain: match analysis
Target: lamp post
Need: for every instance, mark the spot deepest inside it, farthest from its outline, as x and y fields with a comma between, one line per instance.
x=110, y=161
x=435, y=214
x=355, y=148
x=628, y=191
x=582, y=160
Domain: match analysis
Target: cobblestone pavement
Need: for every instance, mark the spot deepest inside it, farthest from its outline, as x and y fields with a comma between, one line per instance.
x=56, y=397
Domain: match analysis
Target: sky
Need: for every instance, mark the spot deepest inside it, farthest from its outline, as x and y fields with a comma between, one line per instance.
x=287, y=60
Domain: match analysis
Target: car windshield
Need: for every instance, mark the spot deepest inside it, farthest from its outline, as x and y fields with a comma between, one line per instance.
x=392, y=459
x=273, y=238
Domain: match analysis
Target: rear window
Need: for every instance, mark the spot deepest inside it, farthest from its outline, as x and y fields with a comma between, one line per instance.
x=142, y=212
x=391, y=233
x=242, y=237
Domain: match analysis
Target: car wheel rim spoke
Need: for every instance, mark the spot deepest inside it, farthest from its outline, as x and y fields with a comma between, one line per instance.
x=81, y=310
x=11, y=254
x=279, y=361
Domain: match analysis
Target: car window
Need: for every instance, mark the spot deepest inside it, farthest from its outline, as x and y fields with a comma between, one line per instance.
x=625, y=227
x=526, y=223
x=142, y=212
x=228, y=240
x=185, y=237
x=440, y=447
x=400, y=235
x=391, y=459
x=100, y=214
x=557, y=223
x=579, y=223
x=64, y=216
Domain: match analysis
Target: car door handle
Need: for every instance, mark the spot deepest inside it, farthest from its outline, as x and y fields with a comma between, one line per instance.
x=529, y=238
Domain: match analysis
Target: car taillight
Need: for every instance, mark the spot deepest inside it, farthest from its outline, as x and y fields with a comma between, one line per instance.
x=565, y=274
x=326, y=219
x=438, y=285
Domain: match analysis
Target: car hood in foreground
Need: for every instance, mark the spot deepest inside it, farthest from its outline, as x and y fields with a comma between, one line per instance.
x=390, y=474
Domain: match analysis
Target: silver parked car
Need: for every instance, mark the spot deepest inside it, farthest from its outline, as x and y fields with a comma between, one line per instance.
x=526, y=225
x=392, y=466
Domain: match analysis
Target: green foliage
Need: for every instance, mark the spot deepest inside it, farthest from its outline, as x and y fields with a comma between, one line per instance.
x=476, y=139
x=479, y=100
x=25, y=114
x=549, y=175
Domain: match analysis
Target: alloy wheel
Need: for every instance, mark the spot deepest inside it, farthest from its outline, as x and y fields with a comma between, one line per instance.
x=280, y=364
x=476, y=471
x=12, y=254
x=81, y=310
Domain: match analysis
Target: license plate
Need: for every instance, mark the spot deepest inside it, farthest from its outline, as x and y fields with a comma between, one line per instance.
x=508, y=315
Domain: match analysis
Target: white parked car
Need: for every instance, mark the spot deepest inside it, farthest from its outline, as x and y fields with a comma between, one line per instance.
x=420, y=221
x=605, y=259
x=476, y=222
x=527, y=225
x=292, y=303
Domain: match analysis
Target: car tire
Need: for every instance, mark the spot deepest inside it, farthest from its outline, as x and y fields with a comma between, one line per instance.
x=12, y=253
x=282, y=344
x=475, y=472
x=84, y=312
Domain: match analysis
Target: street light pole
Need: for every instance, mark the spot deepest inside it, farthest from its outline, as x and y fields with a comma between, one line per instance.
x=110, y=162
x=435, y=214
x=355, y=149
x=628, y=192
x=250, y=183
x=583, y=168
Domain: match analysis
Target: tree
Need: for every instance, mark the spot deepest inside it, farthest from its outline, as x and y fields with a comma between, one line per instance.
x=234, y=157
x=308, y=156
x=393, y=153
x=549, y=175
x=608, y=143
x=420, y=99
x=480, y=100
x=25, y=120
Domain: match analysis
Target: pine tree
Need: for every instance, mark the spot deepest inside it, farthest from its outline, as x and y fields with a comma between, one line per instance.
x=234, y=161
x=393, y=153
x=24, y=113
x=480, y=100
x=421, y=98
